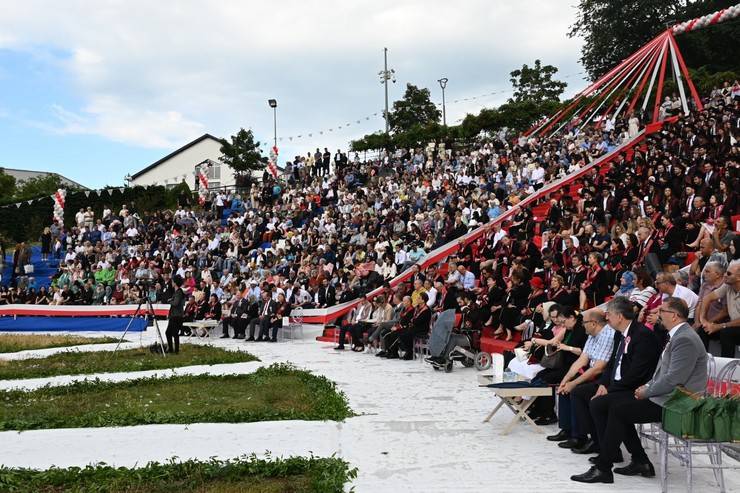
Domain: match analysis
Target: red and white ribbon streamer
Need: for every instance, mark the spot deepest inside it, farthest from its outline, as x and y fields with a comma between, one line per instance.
x=59, y=198
x=707, y=20
x=78, y=310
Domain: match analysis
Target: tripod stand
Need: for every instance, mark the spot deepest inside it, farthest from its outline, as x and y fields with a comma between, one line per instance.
x=149, y=312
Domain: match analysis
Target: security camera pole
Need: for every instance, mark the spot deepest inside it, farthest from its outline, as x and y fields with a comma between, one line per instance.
x=385, y=76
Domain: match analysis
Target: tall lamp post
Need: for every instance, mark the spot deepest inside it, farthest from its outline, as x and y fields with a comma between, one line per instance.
x=273, y=105
x=443, y=84
x=385, y=76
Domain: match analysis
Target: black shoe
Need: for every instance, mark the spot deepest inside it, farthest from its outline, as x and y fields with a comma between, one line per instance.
x=559, y=436
x=271, y=340
x=225, y=336
x=594, y=475
x=620, y=458
x=545, y=420
x=381, y=354
x=588, y=448
x=240, y=336
x=249, y=339
x=392, y=356
x=572, y=443
x=408, y=357
x=339, y=348
x=646, y=470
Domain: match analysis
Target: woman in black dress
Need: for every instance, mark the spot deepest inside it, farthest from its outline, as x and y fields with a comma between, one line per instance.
x=45, y=240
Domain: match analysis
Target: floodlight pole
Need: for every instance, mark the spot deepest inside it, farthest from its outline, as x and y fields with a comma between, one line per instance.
x=273, y=105
x=443, y=83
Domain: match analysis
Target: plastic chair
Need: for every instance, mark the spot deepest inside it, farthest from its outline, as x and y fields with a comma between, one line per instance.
x=421, y=348
x=295, y=324
x=684, y=449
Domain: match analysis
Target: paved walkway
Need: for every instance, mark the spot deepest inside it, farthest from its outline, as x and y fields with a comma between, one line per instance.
x=418, y=431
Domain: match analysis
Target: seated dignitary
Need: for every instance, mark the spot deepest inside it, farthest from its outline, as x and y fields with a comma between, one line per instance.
x=683, y=363
x=631, y=364
x=589, y=365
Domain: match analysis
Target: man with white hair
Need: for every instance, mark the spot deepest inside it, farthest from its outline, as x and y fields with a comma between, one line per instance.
x=666, y=284
x=727, y=321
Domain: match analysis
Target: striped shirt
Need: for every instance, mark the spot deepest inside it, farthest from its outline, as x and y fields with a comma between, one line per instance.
x=642, y=297
x=599, y=347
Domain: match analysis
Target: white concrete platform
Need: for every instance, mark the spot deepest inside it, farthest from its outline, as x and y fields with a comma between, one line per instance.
x=417, y=431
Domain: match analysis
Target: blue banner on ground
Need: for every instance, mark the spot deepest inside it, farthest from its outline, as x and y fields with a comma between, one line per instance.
x=71, y=324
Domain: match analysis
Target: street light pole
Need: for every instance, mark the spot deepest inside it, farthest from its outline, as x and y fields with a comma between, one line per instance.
x=273, y=105
x=385, y=76
x=443, y=84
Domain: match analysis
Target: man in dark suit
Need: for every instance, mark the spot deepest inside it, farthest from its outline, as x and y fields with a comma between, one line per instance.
x=326, y=295
x=632, y=365
x=267, y=308
x=606, y=204
x=236, y=319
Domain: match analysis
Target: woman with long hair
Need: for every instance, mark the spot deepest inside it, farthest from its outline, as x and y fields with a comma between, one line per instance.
x=569, y=344
x=593, y=289
x=45, y=240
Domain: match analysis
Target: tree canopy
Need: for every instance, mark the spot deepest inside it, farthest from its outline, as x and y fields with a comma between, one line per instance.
x=242, y=154
x=12, y=190
x=7, y=186
x=414, y=109
x=535, y=84
x=415, y=119
x=614, y=29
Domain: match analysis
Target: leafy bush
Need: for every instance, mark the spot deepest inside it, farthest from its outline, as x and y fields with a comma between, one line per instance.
x=11, y=343
x=277, y=392
x=138, y=359
x=245, y=474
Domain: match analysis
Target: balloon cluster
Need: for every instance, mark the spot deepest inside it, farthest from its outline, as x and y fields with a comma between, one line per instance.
x=707, y=20
x=59, y=197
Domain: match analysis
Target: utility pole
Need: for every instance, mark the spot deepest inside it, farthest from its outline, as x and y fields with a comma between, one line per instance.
x=385, y=76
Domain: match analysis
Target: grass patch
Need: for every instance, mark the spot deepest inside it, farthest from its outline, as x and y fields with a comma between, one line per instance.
x=11, y=343
x=277, y=392
x=244, y=475
x=81, y=363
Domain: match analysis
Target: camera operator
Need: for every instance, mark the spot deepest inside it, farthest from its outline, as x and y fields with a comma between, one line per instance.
x=177, y=311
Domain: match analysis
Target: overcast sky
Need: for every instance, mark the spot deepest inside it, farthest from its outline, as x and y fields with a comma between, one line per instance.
x=95, y=90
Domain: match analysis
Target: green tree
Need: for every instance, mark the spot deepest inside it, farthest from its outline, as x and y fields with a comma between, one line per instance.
x=416, y=108
x=614, y=29
x=536, y=84
x=40, y=186
x=7, y=186
x=371, y=142
x=242, y=154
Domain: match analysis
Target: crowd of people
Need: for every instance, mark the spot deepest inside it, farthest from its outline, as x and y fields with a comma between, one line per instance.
x=333, y=232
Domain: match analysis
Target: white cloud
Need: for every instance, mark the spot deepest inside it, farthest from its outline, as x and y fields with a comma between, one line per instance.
x=109, y=118
x=157, y=73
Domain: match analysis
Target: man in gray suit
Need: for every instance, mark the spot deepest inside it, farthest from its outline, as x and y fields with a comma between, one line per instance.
x=683, y=363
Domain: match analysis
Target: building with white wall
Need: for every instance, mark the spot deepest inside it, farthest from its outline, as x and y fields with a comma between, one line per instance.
x=180, y=165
